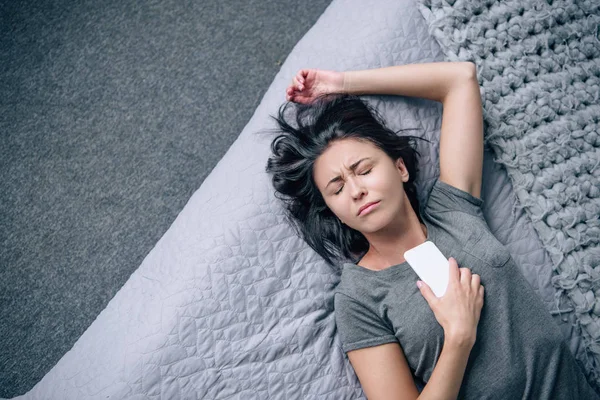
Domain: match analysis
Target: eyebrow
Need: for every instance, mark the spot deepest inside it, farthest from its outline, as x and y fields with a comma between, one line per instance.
x=352, y=168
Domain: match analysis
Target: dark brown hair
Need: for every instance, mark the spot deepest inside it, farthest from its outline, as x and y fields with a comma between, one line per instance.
x=294, y=152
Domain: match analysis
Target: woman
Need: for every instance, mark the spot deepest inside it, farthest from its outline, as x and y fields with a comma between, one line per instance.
x=348, y=184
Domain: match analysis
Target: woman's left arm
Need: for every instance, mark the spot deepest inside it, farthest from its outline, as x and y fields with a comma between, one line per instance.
x=455, y=85
x=461, y=138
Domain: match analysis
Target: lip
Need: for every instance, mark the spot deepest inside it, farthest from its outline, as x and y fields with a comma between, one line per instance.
x=368, y=205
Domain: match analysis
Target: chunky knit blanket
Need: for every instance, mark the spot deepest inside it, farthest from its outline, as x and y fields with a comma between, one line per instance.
x=538, y=64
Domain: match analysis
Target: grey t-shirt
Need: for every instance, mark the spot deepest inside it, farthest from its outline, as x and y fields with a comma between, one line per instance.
x=519, y=351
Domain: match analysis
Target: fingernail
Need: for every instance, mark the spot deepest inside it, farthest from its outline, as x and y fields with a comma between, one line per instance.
x=419, y=284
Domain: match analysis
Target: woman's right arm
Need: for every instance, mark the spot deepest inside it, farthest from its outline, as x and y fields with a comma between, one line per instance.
x=383, y=370
x=448, y=373
x=384, y=373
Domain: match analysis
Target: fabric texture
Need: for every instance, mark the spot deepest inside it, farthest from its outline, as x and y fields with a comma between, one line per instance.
x=231, y=303
x=538, y=65
x=519, y=353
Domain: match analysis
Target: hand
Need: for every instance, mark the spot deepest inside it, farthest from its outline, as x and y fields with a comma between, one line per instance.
x=308, y=84
x=459, y=309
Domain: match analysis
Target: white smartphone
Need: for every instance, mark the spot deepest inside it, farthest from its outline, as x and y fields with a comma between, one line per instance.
x=431, y=266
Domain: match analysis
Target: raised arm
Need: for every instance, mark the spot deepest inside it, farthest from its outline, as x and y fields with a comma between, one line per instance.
x=430, y=81
x=455, y=85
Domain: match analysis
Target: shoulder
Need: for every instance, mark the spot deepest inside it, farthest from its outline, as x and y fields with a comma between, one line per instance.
x=444, y=197
x=346, y=306
x=347, y=283
x=353, y=293
x=359, y=325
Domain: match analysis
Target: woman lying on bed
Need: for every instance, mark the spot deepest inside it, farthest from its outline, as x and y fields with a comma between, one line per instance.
x=349, y=186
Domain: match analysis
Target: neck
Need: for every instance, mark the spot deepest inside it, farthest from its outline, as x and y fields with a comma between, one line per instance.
x=388, y=245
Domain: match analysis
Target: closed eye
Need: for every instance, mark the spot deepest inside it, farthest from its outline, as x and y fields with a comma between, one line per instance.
x=364, y=173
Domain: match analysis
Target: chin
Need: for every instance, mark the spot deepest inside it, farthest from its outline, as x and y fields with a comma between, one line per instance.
x=374, y=224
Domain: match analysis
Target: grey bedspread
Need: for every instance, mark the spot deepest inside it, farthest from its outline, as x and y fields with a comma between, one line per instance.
x=538, y=66
x=230, y=304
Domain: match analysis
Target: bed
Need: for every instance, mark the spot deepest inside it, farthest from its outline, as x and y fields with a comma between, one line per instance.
x=230, y=303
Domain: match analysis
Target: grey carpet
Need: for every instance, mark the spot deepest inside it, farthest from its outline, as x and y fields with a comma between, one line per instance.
x=111, y=115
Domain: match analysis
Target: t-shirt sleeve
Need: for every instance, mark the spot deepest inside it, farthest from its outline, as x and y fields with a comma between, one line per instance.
x=445, y=197
x=358, y=326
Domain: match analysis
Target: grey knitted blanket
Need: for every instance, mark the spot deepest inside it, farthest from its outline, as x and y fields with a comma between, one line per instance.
x=538, y=65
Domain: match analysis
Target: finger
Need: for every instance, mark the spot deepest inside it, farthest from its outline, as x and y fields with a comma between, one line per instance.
x=465, y=276
x=301, y=100
x=475, y=281
x=481, y=291
x=300, y=77
x=297, y=84
x=454, y=274
x=427, y=293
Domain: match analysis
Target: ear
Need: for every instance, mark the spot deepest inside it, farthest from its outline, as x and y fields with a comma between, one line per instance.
x=402, y=168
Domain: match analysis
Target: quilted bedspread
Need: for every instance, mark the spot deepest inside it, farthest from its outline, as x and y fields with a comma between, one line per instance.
x=230, y=303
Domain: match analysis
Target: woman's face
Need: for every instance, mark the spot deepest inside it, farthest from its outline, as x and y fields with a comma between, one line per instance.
x=377, y=178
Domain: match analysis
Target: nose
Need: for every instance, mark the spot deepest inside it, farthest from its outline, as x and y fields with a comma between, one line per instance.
x=357, y=189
